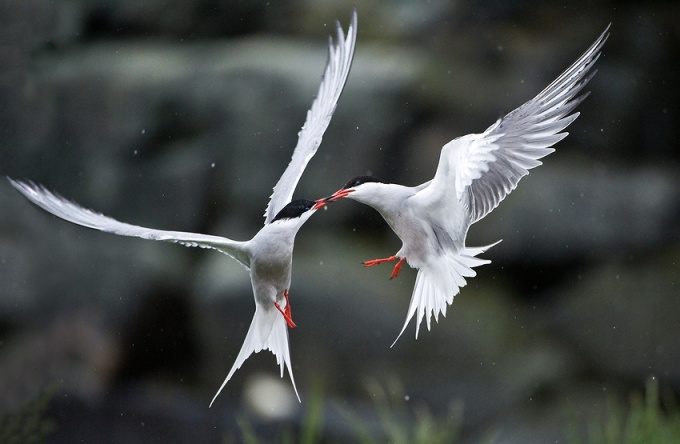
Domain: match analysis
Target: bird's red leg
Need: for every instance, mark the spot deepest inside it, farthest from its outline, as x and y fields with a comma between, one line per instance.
x=397, y=268
x=395, y=271
x=379, y=261
x=287, y=313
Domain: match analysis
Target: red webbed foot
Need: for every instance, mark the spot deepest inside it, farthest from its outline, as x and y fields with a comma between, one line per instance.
x=395, y=271
x=397, y=268
x=287, y=313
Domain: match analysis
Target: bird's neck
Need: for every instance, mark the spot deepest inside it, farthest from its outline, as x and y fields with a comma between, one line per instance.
x=384, y=197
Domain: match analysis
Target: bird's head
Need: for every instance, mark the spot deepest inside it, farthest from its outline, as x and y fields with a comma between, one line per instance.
x=299, y=210
x=355, y=188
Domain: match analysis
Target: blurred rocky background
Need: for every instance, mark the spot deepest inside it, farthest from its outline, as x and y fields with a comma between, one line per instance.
x=182, y=115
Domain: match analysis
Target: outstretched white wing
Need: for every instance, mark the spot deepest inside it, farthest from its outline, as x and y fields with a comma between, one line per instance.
x=340, y=54
x=488, y=166
x=76, y=214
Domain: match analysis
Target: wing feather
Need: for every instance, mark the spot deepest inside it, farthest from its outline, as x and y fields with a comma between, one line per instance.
x=488, y=166
x=340, y=55
x=72, y=212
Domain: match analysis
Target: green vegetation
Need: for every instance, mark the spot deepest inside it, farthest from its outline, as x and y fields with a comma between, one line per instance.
x=649, y=418
x=645, y=422
x=399, y=424
x=397, y=419
x=30, y=424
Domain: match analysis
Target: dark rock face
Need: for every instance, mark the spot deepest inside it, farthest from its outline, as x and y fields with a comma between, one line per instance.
x=183, y=116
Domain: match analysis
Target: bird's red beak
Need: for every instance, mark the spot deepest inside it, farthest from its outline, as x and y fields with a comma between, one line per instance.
x=320, y=203
x=341, y=193
x=332, y=198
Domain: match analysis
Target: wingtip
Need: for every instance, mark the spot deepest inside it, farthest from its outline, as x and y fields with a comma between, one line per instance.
x=351, y=30
x=596, y=47
x=16, y=183
x=13, y=182
x=26, y=187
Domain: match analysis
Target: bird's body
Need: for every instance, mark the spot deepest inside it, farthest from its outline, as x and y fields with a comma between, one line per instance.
x=270, y=257
x=433, y=234
x=272, y=262
x=474, y=174
x=269, y=254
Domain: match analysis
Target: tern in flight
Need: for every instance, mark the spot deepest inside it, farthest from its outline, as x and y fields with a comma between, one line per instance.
x=474, y=175
x=269, y=254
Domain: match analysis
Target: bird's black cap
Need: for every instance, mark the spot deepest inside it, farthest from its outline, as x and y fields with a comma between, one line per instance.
x=359, y=180
x=294, y=209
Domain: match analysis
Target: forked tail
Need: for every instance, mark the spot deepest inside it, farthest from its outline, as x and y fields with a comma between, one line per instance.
x=437, y=284
x=269, y=331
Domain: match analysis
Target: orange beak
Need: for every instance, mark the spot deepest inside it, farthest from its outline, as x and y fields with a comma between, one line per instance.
x=320, y=203
x=341, y=193
x=332, y=198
